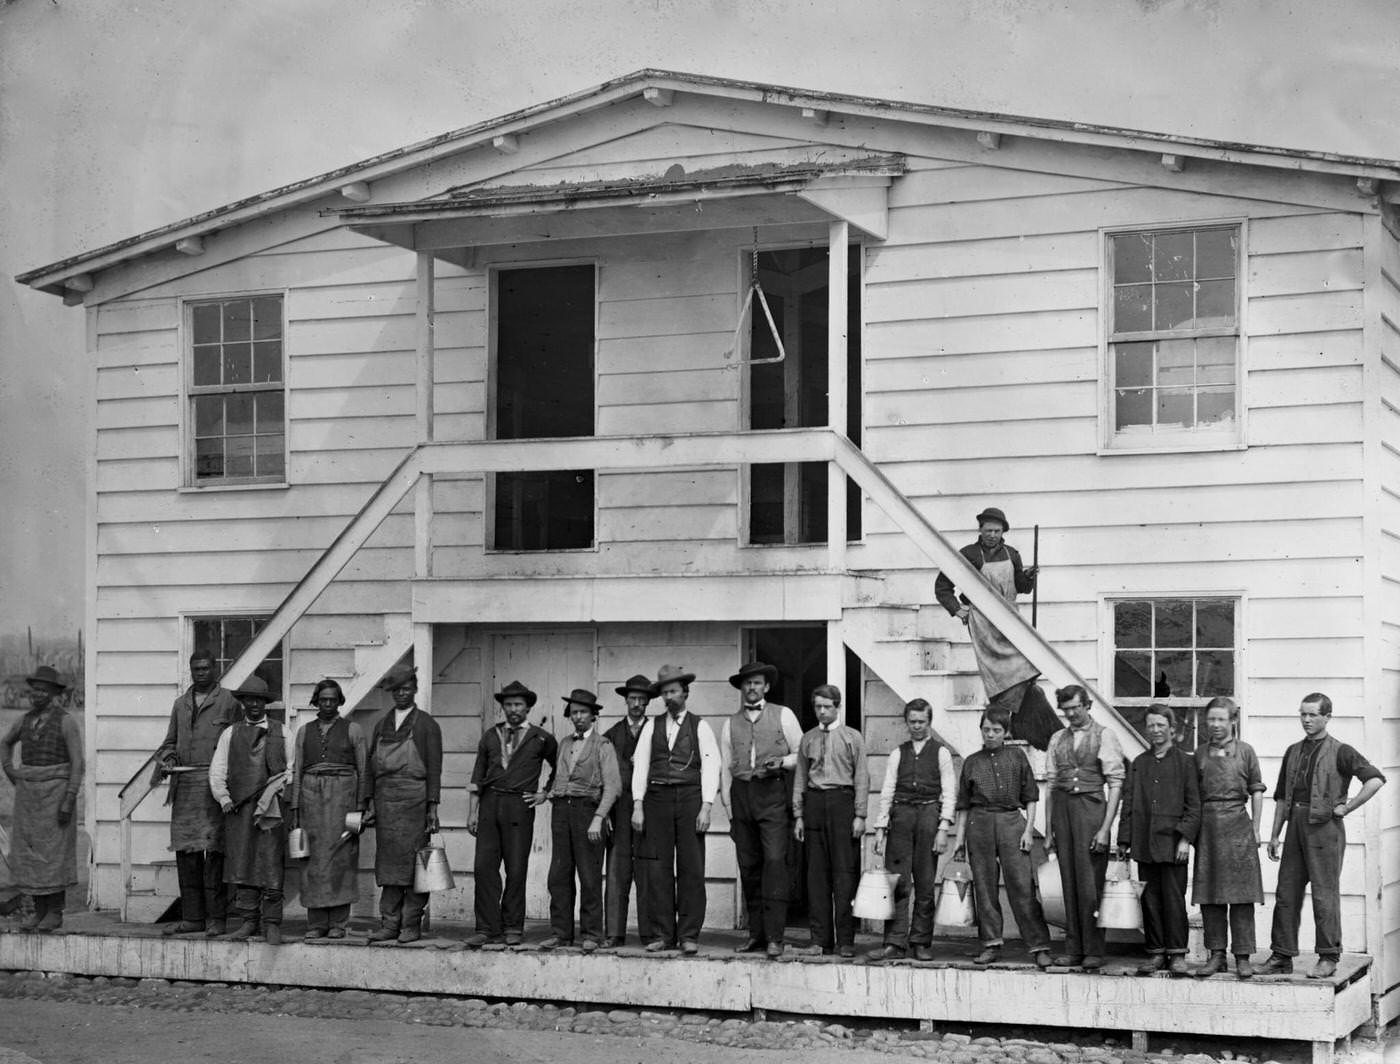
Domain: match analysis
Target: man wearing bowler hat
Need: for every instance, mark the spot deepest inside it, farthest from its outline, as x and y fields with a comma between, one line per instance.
x=43, y=851
x=758, y=750
x=586, y=784
x=674, y=782
x=1007, y=675
x=625, y=864
x=505, y=790
x=404, y=787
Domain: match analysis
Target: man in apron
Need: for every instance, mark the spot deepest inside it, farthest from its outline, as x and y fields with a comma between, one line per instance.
x=1007, y=676
x=404, y=785
x=329, y=780
x=197, y=719
x=246, y=777
x=50, y=771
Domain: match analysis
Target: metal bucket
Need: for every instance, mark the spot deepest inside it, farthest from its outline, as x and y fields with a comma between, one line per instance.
x=355, y=822
x=296, y=844
x=955, y=907
x=874, y=898
x=1052, y=892
x=432, y=871
x=1121, y=907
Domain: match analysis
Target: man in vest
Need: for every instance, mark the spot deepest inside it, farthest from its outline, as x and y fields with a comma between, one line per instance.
x=1312, y=800
x=246, y=776
x=830, y=792
x=1084, y=773
x=43, y=850
x=507, y=786
x=674, y=782
x=404, y=785
x=328, y=781
x=585, y=787
x=758, y=751
x=197, y=719
x=625, y=864
x=917, y=801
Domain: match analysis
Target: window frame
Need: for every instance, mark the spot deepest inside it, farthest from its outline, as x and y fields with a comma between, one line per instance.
x=188, y=620
x=1113, y=441
x=189, y=478
x=1108, y=646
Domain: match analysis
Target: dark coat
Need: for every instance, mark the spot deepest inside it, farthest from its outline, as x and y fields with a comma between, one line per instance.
x=1161, y=805
x=943, y=586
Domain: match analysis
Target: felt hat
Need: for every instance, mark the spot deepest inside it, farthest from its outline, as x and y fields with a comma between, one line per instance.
x=638, y=684
x=398, y=676
x=583, y=697
x=254, y=687
x=46, y=674
x=991, y=513
x=754, y=668
x=670, y=674
x=516, y=689
x=324, y=685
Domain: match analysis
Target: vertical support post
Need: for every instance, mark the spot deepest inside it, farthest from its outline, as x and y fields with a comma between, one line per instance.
x=792, y=407
x=423, y=490
x=836, y=669
x=837, y=310
x=126, y=866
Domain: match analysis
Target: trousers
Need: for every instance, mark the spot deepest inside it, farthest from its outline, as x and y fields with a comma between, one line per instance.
x=759, y=827
x=678, y=873
x=1312, y=853
x=1075, y=819
x=1226, y=923
x=203, y=895
x=911, y=832
x=994, y=839
x=833, y=864
x=573, y=856
x=258, y=904
x=505, y=830
x=323, y=919
x=401, y=907
x=626, y=865
x=1164, y=906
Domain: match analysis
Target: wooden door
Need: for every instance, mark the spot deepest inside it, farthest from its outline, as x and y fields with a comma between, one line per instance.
x=551, y=663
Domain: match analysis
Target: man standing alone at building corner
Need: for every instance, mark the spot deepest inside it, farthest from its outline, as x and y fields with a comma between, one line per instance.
x=197, y=719
x=246, y=777
x=506, y=789
x=830, y=794
x=1161, y=818
x=625, y=864
x=404, y=786
x=1311, y=799
x=585, y=787
x=674, y=782
x=43, y=850
x=758, y=751
x=917, y=800
x=1084, y=761
x=1007, y=675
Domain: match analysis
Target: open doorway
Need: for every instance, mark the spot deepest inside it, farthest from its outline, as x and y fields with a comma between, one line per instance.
x=543, y=362
x=787, y=502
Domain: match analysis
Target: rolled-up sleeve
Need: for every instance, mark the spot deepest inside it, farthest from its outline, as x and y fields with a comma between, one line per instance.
x=882, y=818
x=641, y=763
x=1111, y=761
x=948, y=784
x=73, y=739
x=709, y=761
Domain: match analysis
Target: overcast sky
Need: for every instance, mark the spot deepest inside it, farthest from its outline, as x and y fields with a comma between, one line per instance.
x=117, y=116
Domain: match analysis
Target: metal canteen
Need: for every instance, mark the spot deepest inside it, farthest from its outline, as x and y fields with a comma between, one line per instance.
x=296, y=844
x=1121, y=906
x=355, y=822
x=874, y=898
x=1052, y=892
x=955, y=907
x=432, y=872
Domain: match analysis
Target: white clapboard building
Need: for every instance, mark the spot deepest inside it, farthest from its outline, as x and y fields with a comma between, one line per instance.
x=508, y=401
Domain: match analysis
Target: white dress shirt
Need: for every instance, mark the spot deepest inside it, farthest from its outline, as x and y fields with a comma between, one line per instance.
x=709, y=757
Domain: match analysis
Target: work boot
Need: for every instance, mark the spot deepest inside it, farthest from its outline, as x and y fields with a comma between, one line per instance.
x=1177, y=965
x=887, y=952
x=243, y=933
x=216, y=928
x=384, y=934
x=1325, y=968
x=52, y=919
x=184, y=927
x=1243, y=968
x=1153, y=965
x=988, y=955
x=923, y=952
x=32, y=915
x=411, y=933
x=273, y=934
x=1277, y=964
x=1213, y=966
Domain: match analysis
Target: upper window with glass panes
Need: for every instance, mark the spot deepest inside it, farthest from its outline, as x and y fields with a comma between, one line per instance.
x=237, y=398
x=1174, y=337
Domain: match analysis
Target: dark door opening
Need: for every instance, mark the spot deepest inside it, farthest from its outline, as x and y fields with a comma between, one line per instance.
x=544, y=388
x=787, y=503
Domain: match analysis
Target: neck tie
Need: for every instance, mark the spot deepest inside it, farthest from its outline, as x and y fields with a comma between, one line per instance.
x=512, y=736
x=823, y=738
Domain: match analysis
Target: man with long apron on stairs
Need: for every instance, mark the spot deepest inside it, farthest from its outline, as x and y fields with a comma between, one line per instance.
x=329, y=779
x=404, y=785
x=1008, y=677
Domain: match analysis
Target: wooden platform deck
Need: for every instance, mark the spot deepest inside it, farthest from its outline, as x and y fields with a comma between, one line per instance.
x=950, y=990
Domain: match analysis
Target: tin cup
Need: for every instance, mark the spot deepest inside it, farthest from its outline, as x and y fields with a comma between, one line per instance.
x=355, y=822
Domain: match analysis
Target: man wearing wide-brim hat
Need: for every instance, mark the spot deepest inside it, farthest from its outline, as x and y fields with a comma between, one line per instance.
x=246, y=777
x=402, y=795
x=625, y=864
x=586, y=785
x=508, y=783
x=43, y=845
x=758, y=751
x=675, y=778
x=1008, y=677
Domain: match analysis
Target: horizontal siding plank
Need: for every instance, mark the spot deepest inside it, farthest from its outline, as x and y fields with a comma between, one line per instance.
x=984, y=369
x=1033, y=253
x=668, y=316
x=1312, y=312
x=984, y=295
x=247, y=568
x=715, y=273
x=699, y=487
x=1306, y=387
x=1328, y=231
x=138, y=413
x=1034, y=437
x=679, y=386
x=1018, y=332
x=469, y=426
x=460, y=397
x=137, y=315
x=1284, y=618
x=138, y=382
x=342, y=499
x=359, y=335
x=348, y=404
x=650, y=524
x=309, y=441
x=343, y=596
x=122, y=350
x=694, y=416
x=327, y=258
x=162, y=441
x=459, y=328
x=1295, y=273
x=1302, y=656
x=358, y=370
x=666, y=141
x=1337, y=423
x=381, y=299
x=115, y=636
x=973, y=184
x=1000, y=405
x=307, y=532
x=137, y=474
x=1308, y=350
x=647, y=354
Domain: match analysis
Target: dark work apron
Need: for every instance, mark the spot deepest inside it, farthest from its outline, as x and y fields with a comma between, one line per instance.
x=400, y=809
x=328, y=877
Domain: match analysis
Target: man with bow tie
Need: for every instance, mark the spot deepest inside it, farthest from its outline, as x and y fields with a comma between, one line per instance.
x=830, y=794
x=506, y=789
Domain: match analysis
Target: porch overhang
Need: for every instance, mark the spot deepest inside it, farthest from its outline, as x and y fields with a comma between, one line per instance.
x=855, y=191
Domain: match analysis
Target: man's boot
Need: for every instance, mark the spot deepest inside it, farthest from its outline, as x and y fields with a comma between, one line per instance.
x=33, y=913
x=1244, y=969
x=385, y=932
x=273, y=934
x=1214, y=966
x=246, y=930
x=51, y=918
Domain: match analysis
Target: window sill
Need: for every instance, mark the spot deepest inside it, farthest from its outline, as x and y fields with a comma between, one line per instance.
x=204, y=489
x=1172, y=447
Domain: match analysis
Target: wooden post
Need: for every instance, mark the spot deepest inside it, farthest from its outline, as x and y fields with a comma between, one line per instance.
x=838, y=242
x=423, y=490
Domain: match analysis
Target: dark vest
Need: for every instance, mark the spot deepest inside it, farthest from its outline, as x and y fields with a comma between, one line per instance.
x=250, y=766
x=330, y=747
x=918, y=779
x=625, y=744
x=681, y=763
x=41, y=739
x=1078, y=771
x=1327, y=791
x=764, y=737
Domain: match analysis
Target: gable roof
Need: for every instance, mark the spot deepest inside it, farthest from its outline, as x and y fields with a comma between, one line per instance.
x=56, y=277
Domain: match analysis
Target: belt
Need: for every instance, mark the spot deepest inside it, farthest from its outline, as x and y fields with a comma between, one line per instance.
x=575, y=799
x=668, y=783
x=917, y=801
x=828, y=790
x=511, y=794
